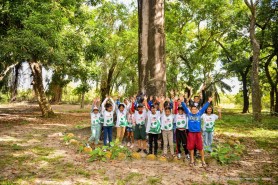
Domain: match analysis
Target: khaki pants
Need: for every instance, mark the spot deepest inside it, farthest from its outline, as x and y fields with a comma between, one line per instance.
x=120, y=133
x=168, y=138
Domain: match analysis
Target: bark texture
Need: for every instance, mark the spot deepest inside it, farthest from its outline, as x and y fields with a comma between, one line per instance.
x=37, y=83
x=256, y=90
x=152, y=64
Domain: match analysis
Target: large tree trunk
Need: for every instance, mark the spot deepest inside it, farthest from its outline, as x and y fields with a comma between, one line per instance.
x=37, y=83
x=256, y=90
x=15, y=82
x=152, y=65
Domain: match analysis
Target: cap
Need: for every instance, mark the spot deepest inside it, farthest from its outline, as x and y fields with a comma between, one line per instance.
x=95, y=108
x=140, y=105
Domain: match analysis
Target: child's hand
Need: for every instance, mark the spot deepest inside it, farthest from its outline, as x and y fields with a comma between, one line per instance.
x=181, y=98
x=151, y=98
x=210, y=99
x=145, y=97
x=219, y=109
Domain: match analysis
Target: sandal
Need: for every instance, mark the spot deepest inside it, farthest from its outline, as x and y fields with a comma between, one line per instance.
x=204, y=165
x=191, y=164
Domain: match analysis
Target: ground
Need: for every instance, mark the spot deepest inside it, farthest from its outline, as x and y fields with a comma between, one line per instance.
x=32, y=152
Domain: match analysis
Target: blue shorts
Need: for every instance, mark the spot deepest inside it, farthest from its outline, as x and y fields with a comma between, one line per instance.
x=129, y=129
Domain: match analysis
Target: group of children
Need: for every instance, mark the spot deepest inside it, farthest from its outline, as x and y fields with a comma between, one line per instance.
x=141, y=119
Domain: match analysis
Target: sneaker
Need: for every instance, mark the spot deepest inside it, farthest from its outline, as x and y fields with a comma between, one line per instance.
x=145, y=151
x=139, y=150
x=87, y=145
x=187, y=156
x=131, y=146
x=150, y=153
x=104, y=150
x=128, y=144
x=179, y=156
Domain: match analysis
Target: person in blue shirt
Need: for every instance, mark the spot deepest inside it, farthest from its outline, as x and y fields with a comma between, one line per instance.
x=194, y=138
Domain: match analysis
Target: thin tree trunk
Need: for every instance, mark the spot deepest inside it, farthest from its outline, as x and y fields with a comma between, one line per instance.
x=107, y=82
x=15, y=82
x=244, y=75
x=152, y=65
x=37, y=83
x=82, y=100
x=272, y=97
x=256, y=90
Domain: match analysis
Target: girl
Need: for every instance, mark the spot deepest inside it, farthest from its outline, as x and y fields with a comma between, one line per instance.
x=208, y=127
x=107, y=112
x=130, y=128
x=121, y=121
x=181, y=124
x=153, y=129
x=167, y=121
x=96, y=120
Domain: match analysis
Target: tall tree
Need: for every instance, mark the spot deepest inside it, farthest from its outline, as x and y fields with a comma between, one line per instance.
x=151, y=63
x=256, y=90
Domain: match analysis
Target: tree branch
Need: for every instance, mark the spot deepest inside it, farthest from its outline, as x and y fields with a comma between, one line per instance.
x=4, y=73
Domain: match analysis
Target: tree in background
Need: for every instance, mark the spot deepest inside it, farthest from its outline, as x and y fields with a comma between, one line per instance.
x=151, y=63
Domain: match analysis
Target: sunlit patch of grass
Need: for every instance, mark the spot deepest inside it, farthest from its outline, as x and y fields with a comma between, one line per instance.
x=42, y=151
x=24, y=122
x=7, y=182
x=154, y=180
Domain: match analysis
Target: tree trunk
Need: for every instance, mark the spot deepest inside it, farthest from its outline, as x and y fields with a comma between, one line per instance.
x=152, y=65
x=107, y=82
x=15, y=82
x=256, y=90
x=244, y=75
x=272, y=96
x=37, y=83
x=82, y=100
x=57, y=92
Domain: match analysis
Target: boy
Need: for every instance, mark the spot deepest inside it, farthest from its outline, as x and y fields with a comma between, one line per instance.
x=140, y=117
x=198, y=101
x=153, y=129
x=121, y=123
x=194, y=138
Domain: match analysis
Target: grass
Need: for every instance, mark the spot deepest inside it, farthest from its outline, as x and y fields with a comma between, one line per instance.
x=154, y=180
x=265, y=134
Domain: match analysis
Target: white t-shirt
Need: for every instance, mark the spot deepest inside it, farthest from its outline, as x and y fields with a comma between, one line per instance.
x=153, y=123
x=108, y=118
x=167, y=122
x=181, y=121
x=95, y=119
x=208, y=122
x=130, y=120
x=121, y=117
x=140, y=119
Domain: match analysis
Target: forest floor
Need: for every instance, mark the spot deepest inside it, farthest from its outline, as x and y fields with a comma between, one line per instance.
x=32, y=151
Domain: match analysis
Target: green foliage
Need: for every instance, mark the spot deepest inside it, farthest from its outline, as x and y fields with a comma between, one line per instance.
x=115, y=149
x=227, y=154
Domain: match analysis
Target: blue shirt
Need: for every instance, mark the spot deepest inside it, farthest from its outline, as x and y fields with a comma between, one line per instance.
x=194, y=120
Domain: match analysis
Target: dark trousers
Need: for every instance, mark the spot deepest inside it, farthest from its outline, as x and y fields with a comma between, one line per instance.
x=181, y=140
x=107, y=132
x=153, y=139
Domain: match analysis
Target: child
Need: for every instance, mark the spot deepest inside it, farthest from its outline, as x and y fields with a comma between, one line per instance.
x=194, y=138
x=95, y=126
x=140, y=128
x=153, y=129
x=198, y=101
x=208, y=127
x=130, y=128
x=181, y=136
x=167, y=121
x=107, y=112
x=121, y=122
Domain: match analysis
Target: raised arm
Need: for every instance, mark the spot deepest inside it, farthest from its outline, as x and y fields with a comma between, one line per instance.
x=204, y=108
x=113, y=104
x=103, y=104
x=187, y=111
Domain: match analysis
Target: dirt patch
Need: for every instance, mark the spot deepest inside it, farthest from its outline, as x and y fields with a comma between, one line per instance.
x=32, y=152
